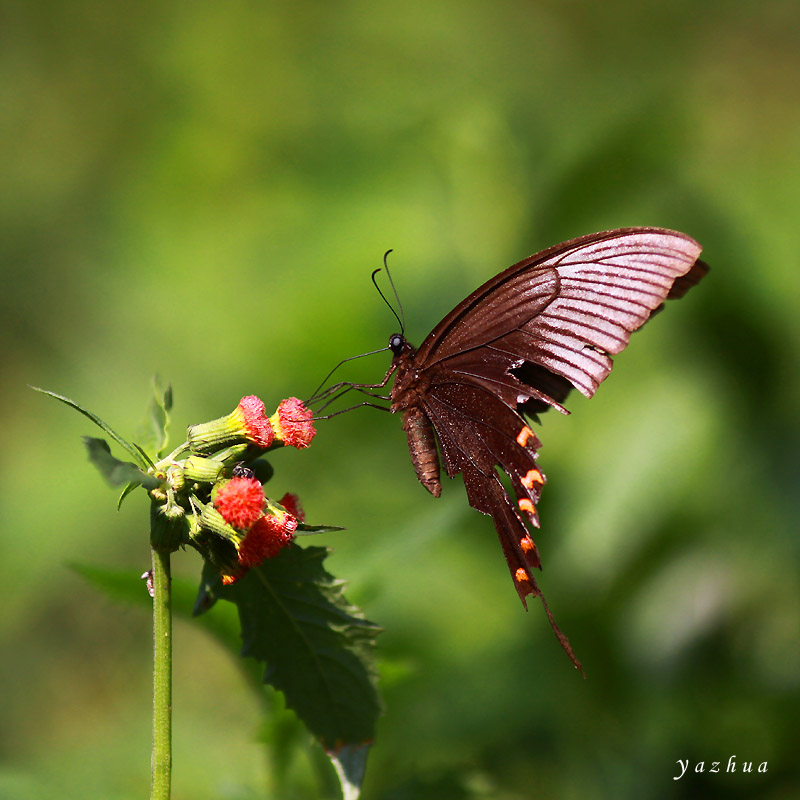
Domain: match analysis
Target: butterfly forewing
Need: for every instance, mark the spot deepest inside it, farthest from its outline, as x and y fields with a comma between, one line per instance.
x=587, y=293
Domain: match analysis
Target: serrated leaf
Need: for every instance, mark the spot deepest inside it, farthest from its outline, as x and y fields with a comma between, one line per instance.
x=116, y=472
x=310, y=530
x=153, y=431
x=100, y=424
x=318, y=648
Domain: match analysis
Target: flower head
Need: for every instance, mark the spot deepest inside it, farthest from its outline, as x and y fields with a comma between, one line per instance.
x=291, y=502
x=240, y=501
x=267, y=536
x=255, y=421
x=248, y=422
x=292, y=423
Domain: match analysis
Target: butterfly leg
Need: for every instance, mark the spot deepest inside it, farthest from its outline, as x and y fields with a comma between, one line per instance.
x=358, y=405
x=347, y=386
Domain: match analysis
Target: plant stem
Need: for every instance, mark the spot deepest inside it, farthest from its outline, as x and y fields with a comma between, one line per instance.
x=161, y=758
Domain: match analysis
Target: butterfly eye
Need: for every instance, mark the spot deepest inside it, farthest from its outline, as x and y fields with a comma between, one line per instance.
x=396, y=342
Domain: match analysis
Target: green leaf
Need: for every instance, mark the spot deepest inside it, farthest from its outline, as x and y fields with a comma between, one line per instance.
x=153, y=431
x=318, y=648
x=126, y=491
x=116, y=472
x=310, y=530
x=119, y=585
x=100, y=424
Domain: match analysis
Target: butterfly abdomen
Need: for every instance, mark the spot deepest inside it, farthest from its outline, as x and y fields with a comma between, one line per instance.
x=422, y=446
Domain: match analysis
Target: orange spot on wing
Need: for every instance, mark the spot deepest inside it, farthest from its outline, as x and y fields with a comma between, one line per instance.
x=520, y=576
x=527, y=505
x=532, y=476
x=526, y=543
x=523, y=436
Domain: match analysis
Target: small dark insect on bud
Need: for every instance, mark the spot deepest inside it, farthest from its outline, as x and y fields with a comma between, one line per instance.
x=241, y=470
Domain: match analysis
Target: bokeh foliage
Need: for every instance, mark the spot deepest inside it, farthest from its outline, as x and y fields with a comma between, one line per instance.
x=202, y=189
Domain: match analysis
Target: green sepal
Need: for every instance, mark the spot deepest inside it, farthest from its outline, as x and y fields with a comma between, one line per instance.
x=318, y=649
x=201, y=469
x=311, y=530
x=137, y=456
x=213, y=521
x=116, y=472
x=235, y=453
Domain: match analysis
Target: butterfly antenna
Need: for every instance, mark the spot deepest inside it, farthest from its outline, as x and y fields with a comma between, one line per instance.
x=383, y=296
x=402, y=321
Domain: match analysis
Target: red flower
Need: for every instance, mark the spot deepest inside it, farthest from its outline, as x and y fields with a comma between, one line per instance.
x=240, y=501
x=268, y=535
x=292, y=423
x=291, y=502
x=255, y=421
x=248, y=422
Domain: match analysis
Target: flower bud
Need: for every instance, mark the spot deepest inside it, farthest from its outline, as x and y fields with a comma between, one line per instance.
x=175, y=478
x=199, y=469
x=248, y=422
x=212, y=520
x=168, y=527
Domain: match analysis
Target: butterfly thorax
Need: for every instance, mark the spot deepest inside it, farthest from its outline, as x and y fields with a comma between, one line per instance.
x=410, y=385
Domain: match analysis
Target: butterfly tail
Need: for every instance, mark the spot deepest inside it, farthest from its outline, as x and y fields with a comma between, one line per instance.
x=490, y=497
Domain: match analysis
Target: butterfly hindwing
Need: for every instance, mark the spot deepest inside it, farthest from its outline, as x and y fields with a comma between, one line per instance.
x=468, y=448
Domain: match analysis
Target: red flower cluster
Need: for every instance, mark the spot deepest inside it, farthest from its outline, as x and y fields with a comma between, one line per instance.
x=240, y=503
x=266, y=537
x=238, y=527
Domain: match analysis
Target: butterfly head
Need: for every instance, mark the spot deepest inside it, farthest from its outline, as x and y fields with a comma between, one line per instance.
x=397, y=343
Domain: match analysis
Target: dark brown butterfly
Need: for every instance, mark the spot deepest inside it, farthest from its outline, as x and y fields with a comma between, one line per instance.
x=517, y=345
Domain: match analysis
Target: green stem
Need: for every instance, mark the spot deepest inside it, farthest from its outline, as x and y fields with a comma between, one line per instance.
x=161, y=759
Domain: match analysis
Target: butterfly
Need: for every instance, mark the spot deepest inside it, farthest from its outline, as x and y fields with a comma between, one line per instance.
x=516, y=347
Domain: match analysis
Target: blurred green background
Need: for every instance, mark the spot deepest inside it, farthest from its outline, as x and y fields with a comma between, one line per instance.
x=202, y=190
